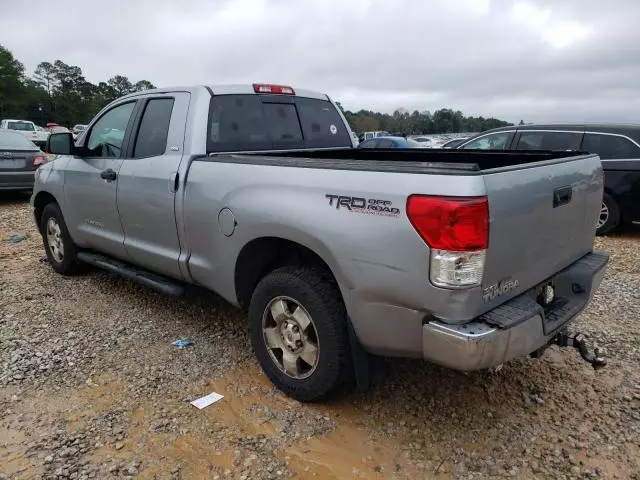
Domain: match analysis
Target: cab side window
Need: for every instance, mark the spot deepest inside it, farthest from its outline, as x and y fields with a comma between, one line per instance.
x=152, y=135
x=610, y=147
x=107, y=134
x=535, y=140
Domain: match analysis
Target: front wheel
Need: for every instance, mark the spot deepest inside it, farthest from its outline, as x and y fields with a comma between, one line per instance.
x=58, y=245
x=298, y=326
x=609, y=218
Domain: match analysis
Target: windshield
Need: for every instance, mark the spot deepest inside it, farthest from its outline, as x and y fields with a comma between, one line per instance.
x=11, y=141
x=22, y=126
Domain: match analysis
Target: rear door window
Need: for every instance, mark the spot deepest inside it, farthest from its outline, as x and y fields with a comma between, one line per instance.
x=21, y=126
x=253, y=122
x=154, y=128
x=535, y=140
x=610, y=147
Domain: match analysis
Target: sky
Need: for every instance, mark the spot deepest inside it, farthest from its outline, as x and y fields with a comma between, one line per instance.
x=535, y=60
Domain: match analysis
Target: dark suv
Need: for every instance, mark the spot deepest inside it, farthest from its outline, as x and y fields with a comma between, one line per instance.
x=617, y=145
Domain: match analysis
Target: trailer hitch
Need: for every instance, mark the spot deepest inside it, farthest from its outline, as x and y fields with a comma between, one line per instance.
x=579, y=342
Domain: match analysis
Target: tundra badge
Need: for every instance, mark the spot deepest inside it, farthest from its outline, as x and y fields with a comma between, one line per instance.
x=497, y=289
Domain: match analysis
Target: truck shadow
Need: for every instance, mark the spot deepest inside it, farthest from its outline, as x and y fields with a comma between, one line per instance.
x=14, y=198
x=626, y=230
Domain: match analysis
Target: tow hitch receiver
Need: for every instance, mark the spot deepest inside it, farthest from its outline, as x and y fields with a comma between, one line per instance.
x=579, y=342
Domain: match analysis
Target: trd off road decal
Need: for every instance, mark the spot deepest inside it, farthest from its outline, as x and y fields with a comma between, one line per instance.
x=368, y=206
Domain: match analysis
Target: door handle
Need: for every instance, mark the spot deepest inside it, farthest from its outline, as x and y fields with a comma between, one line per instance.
x=562, y=196
x=174, y=182
x=109, y=175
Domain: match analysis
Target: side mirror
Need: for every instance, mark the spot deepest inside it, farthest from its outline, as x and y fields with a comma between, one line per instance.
x=60, y=144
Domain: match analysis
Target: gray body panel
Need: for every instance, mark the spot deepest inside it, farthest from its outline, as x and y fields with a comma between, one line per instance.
x=530, y=240
x=90, y=207
x=380, y=262
x=146, y=199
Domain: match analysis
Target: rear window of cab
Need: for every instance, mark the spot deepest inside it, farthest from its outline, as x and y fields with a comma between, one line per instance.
x=273, y=122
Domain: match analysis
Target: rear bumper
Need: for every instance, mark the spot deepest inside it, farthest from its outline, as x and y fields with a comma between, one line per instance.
x=16, y=180
x=518, y=327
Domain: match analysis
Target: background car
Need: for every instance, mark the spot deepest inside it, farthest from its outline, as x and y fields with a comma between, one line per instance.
x=59, y=129
x=19, y=158
x=28, y=130
x=617, y=145
x=77, y=130
x=391, y=142
x=454, y=142
x=367, y=135
x=427, y=141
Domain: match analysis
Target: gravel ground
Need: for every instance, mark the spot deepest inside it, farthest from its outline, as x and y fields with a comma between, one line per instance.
x=90, y=387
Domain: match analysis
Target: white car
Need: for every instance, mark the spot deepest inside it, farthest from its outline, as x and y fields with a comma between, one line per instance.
x=77, y=130
x=28, y=129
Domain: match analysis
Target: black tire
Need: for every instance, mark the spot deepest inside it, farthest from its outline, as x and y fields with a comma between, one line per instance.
x=322, y=301
x=612, y=216
x=68, y=264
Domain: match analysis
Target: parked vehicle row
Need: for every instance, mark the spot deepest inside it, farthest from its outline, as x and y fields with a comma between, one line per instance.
x=617, y=145
x=19, y=158
x=392, y=142
x=29, y=130
x=411, y=141
x=257, y=193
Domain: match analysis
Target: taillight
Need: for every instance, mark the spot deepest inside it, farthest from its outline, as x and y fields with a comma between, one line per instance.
x=457, y=231
x=275, y=89
x=39, y=160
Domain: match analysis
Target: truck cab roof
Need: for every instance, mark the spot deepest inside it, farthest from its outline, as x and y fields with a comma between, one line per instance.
x=230, y=89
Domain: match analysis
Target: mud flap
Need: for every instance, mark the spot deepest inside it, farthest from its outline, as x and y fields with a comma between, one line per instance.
x=369, y=370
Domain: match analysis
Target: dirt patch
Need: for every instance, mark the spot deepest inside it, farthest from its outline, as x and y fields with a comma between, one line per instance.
x=90, y=387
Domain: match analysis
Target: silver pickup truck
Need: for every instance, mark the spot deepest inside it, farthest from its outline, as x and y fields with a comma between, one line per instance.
x=464, y=258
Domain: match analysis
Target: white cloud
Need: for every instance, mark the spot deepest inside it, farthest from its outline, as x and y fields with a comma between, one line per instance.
x=532, y=59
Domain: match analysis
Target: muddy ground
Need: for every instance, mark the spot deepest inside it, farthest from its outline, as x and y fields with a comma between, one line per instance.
x=90, y=387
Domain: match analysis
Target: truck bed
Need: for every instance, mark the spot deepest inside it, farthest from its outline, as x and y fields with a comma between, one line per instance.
x=459, y=162
x=542, y=205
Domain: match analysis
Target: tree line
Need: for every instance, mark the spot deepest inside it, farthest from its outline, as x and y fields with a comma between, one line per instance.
x=444, y=120
x=57, y=92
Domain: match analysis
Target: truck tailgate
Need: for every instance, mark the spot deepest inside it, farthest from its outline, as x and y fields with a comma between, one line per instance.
x=542, y=219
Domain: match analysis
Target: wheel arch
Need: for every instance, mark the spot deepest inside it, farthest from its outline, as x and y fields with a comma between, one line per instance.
x=41, y=200
x=265, y=254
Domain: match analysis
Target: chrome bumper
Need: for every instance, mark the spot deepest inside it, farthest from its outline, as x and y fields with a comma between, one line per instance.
x=479, y=344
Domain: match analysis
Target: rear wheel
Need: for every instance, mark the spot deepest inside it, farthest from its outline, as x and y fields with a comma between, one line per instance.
x=609, y=218
x=298, y=327
x=60, y=249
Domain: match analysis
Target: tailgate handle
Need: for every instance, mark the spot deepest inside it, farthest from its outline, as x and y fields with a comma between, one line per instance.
x=562, y=196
